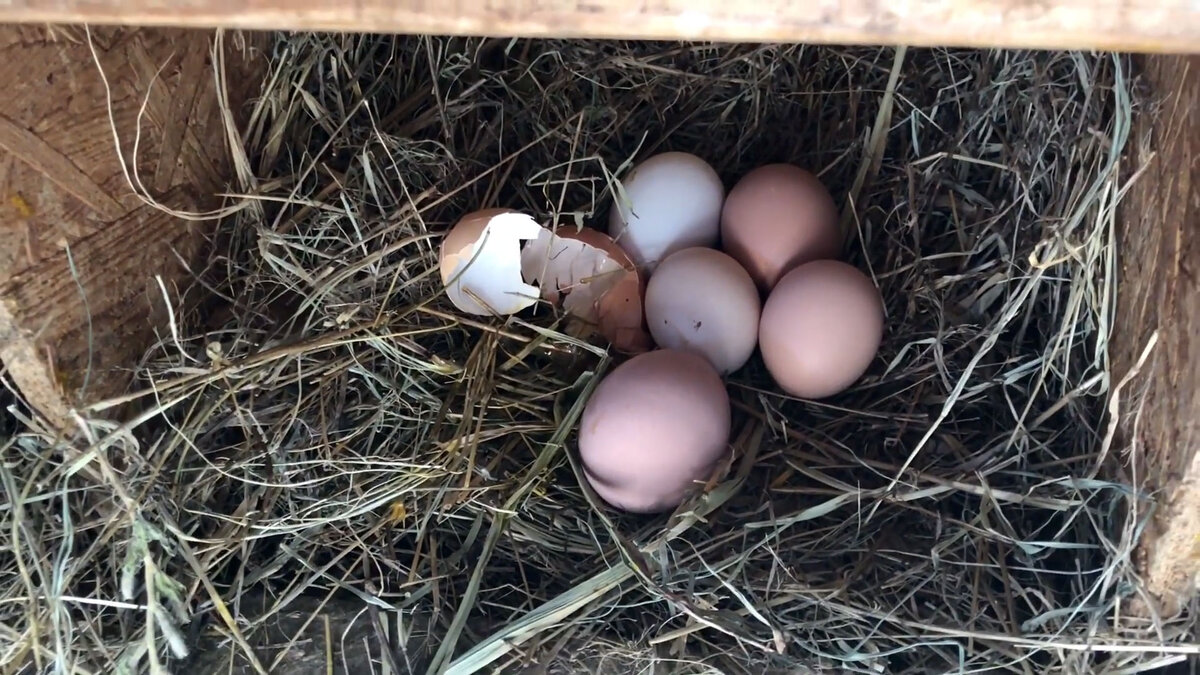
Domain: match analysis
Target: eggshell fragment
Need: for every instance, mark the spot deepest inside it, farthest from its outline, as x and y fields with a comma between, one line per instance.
x=669, y=202
x=480, y=262
x=701, y=300
x=595, y=279
x=777, y=217
x=821, y=328
x=653, y=429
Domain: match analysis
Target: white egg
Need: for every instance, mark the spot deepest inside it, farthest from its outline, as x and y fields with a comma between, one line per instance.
x=700, y=300
x=669, y=202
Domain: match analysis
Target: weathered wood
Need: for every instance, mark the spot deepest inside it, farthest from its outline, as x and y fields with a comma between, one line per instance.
x=1160, y=291
x=1134, y=25
x=79, y=251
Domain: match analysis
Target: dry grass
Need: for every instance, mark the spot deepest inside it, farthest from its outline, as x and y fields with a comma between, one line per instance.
x=343, y=433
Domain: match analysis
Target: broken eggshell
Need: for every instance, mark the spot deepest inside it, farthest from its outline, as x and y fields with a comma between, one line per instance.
x=500, y=261
x=596, y=281
x=480, y=262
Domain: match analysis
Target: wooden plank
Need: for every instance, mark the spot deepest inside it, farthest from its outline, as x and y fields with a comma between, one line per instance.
x=1159, y=290
x=1132, y=25
x=79, y=251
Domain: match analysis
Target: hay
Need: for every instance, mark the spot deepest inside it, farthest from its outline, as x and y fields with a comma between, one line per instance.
x=339, y=431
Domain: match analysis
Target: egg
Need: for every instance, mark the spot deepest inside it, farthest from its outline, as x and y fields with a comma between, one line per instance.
x=821, y=328
x=480, y=262
x=701, y=300
x=777, y=217
x=669, y=202
x=653, y=429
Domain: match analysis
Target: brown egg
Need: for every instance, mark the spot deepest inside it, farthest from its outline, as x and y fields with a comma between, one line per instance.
x=653, y=429
x=820, y=329
x=777, y=217
x=462, y=237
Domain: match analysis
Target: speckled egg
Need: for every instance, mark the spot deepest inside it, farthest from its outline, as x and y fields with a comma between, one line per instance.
x=703, y=301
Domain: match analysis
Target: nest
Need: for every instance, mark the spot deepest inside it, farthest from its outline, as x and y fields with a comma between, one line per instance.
x=335, y=429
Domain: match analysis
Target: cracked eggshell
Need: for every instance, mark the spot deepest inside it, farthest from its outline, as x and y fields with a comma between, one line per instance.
x=655, y=428
x=480, y=262
x=596, y=281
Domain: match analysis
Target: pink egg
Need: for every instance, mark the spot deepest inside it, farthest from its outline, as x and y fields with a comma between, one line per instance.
x=654, y=429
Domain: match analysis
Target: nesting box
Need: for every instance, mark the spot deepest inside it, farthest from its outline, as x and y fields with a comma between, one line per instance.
x=116, y=156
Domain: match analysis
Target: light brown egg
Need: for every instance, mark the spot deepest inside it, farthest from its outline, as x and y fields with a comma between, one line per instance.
x=777, y=217
x=821, y=328
x=462, y=236
x=595, y=282
x=653, y=429
x=701, y=300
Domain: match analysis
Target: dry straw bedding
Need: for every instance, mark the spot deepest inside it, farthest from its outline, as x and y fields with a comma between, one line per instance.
x=334, y=429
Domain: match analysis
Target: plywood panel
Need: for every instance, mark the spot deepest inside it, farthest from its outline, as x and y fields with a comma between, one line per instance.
x=1160, y=291
x=1138, y=25
x=79, y=252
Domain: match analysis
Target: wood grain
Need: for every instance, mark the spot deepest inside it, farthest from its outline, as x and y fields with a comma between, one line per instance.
x=1160, y=291
x=1133, y=25
x=79, y=252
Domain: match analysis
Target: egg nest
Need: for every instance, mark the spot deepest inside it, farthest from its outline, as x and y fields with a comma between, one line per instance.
x=327, y=425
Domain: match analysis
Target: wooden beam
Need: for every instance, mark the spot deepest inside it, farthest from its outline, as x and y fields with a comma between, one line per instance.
x=1159, y=293
x=1125, y=25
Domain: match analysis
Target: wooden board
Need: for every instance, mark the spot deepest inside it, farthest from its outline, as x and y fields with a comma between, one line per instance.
x=1134, y=25
x=1160, y=291
x=79, y=252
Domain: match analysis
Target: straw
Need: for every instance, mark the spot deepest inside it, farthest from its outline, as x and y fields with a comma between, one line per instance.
x=339, y=432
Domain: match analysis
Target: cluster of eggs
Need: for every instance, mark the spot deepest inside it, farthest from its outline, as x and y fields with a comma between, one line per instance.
x=660, y=422
x=703, y=278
